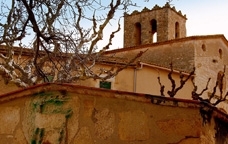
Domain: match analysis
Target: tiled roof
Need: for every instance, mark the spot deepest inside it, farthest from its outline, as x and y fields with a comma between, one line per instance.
x=155, y=56
x=185, y=39
x=17, y=50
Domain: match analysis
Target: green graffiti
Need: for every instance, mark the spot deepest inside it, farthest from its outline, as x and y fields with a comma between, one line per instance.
x=38, y=136
x=55, y=101
x=61, y=136
x=49, y=103
x=68, y=113
x=42, y=100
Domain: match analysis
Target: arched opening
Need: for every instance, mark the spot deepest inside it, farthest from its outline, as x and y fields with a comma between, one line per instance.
x=153, y=24
x=177, y=30
x=137, y=33
x=220, y=53
x=203, y=47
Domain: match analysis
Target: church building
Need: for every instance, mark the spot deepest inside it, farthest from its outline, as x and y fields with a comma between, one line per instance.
x=161, y=34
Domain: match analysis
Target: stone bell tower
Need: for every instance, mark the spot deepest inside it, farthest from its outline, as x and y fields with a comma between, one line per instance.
x=156, y=25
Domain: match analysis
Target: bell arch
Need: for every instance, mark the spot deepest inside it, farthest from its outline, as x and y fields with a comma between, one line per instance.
x=137, y=33
x=177, y=30
x=153, y=24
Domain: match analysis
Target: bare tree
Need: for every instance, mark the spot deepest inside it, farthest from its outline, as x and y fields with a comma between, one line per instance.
x=174, y=86
x=213, y=99
x=219, y=85
x=162, y=87
x=63, y=35
x=195, y=95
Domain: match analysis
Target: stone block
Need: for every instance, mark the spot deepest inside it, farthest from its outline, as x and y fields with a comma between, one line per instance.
x=19, y=137
x=180, y=126
x=83, y=137
x=133, y=126
x=104, y=123
x=88, y=107
x=50, y=120
x=9, y=118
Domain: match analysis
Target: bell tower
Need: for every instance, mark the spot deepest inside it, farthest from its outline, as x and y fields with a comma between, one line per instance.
x=155, y=25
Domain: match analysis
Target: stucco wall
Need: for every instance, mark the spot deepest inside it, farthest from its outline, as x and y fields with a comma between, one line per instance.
x=61, y=114
x=144, y=79
x=147, y=82
x=211, y=59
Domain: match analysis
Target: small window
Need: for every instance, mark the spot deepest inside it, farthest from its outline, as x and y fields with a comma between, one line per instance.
x=177, y=30
x=203, y=47
x=220, y=53
x=137, y=33
x=105, y=84
x=153, y=24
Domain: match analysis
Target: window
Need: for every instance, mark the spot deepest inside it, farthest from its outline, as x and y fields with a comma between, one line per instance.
x=153, y=24
x=203, y=47
x=137, y=33
x=177, y=30
x=105, y=84
x=220, y=53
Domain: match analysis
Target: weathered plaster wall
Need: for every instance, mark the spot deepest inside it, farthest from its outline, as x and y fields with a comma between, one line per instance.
x=210, y=59
x=61, y=114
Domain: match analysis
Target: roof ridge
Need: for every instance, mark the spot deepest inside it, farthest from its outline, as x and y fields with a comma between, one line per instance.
x=168, y=42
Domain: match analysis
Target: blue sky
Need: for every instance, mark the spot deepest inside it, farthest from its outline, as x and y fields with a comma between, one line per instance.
x=205, y=17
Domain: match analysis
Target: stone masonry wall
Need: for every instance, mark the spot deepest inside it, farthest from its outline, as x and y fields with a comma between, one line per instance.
x=66, y=114
x=166, y=17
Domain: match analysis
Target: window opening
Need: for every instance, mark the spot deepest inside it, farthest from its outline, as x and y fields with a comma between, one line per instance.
x=203, y=47
x=153, y=24
x=177, y=30
x=220, y=53
x=137, y=33
x=105, y=84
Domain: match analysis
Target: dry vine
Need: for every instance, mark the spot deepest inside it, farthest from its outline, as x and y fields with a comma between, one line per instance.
x=218, y=85
x=174, y=88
